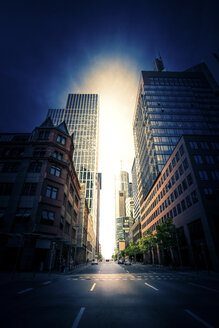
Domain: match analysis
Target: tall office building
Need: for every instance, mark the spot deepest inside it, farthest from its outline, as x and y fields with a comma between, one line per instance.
x=81, y=116
x=123, y=221
x=135, y=192
x=168, y=105
x=121, y=191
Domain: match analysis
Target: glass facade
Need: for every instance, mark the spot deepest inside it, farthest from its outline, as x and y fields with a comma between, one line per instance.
x=169, y=104
x=135, y=192
x=81, y=116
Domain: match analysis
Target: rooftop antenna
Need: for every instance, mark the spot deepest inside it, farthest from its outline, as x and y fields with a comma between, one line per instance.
x=158, y=64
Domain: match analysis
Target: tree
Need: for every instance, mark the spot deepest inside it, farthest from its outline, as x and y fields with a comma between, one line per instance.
x=166, y=238
x=147, y=242
x=132, y=249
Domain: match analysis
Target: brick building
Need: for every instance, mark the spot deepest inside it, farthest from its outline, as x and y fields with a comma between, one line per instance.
x=39, y=199
x=187, y=190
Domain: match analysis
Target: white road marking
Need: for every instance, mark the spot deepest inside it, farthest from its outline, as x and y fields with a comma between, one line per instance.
x=78, y=318
x=24, y=291
x=199, y=319
x=92, y=288
x=204, y=287
x=150, y=286
x=46, y=282
x=74, y=279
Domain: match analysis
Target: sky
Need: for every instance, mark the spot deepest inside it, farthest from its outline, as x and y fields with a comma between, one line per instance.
x=52, y=48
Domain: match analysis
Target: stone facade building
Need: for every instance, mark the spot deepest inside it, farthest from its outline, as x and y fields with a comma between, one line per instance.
x=39, y=199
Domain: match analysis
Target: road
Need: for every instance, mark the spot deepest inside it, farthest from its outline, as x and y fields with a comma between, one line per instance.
x=109, y=295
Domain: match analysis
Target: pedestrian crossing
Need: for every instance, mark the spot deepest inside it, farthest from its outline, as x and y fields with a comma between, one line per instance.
x=131, y=277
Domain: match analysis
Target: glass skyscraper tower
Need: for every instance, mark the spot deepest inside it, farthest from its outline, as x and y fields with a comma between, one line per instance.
x=168, y=105
x=81, y=116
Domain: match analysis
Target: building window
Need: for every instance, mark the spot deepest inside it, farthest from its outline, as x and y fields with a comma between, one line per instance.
x=188, y=201
x=214, y=145
x=215, y=175
x=71, y=190
x=175, y=193
x=172, y=197
x=75, y=215
x=35, y=167
x=209, y=193
x=170, y=167
x=6, y=189
x=9, y=167
x=189, y=179
x=47, y=217
x=183, y=205
x=43, y=135
x=203, y=175
x=61, y=140
x=39, y=152
x=176, y=175
x=174, y=211
x=177, y=156
x=180, y=190
x=57, y=155
x=54, y=170
x=181, y=170
x=193, y=145
x=198, y=159
x=73, y=233
x=69, y=207
x=181, y=150
x=204, y=145
x=184, y=184
x=173, y=179
x=174, y=162
x=76, y=201
x=185, y=164
x=29, y=189
x=209, y=159
x=67, y=227
x=179, y=208
x=51, y=192
x=23, y=215
x=194, y=197
x=61, y=224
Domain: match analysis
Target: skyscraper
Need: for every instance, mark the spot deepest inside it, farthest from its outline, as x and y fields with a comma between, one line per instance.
x=81, y=116
x=123, y=221
x=168, y=105
x=135, y=192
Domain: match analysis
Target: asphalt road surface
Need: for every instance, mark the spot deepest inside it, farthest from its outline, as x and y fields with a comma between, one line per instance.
x=109, y=295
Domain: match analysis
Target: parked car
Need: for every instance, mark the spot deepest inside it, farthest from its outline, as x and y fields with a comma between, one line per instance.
x=127, y=262
x=120, y=262
x=94, y=261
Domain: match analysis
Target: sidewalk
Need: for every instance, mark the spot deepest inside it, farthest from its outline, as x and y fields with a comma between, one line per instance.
x=200, y=274
x=7, y=277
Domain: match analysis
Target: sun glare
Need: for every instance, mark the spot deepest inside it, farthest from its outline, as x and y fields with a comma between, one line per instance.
x=116, y=82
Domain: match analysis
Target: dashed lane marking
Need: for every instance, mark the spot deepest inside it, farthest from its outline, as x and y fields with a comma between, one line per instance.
x=204, y=287
x=195, y=316
x=150, y=286
x=47, y=282
x=92, y=288
x=78, y=318
x=25, y=290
